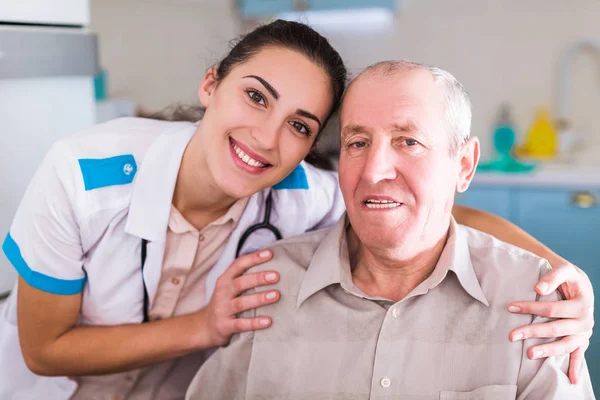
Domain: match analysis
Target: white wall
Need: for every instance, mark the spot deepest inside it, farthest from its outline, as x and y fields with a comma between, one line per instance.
x=156, y=51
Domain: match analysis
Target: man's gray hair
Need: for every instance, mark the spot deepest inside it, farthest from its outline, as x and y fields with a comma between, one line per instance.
x=457, y=103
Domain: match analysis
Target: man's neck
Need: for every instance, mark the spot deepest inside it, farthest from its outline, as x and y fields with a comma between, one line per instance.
x=197, y=197
x=391, y=273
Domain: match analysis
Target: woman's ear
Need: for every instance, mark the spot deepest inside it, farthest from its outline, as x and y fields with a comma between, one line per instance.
x=208, y=86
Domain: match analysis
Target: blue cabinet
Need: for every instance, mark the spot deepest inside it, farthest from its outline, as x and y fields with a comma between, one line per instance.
x=259, y=8
x=558, y=219
x=498, y=201
x=566, y=220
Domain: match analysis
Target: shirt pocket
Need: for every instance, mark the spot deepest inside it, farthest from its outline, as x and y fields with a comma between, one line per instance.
x=491, y=392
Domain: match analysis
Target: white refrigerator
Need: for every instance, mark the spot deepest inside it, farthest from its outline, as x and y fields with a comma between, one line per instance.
x=47, y=63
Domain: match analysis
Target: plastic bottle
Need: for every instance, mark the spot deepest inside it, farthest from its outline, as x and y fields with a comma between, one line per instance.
x=541, y=142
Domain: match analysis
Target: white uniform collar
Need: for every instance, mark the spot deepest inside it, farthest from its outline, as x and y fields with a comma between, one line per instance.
x=155, y=183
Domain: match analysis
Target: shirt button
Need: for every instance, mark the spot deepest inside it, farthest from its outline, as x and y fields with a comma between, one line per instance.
x=175, y=281
x=385, y=382
x=395, y=312
x=201, y=238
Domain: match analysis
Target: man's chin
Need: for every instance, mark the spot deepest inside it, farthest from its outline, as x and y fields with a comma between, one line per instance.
x=383, y=237
x=388, y=221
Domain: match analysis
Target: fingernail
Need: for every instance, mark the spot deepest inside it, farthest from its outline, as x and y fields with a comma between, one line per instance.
x=538, y=353
x=542, y=287
x=271, y=276
x=264, y=321
x=514, y=309
x=264, y=254
x=271, y=295
x=516, y=336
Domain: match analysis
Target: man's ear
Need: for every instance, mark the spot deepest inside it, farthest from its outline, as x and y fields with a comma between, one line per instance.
x=208, y=86
x=468, y=157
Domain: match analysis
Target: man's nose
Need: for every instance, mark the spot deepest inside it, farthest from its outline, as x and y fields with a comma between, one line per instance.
x=380, y=164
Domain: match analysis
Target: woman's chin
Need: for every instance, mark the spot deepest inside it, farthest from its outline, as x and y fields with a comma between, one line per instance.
x=239, y=190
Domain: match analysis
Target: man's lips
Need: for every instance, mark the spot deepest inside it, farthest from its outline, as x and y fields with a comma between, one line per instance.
x=379, y=202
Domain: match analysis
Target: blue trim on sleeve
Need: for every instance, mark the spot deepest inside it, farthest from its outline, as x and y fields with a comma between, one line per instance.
x=102, y=172
x=295, y=180
x=37, y=279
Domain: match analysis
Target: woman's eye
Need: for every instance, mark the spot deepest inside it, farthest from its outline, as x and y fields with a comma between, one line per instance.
x=256, y=97
x=411, y=142
x=300, y=127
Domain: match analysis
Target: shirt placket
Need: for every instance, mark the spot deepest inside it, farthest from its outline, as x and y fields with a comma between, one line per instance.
x=175, y=276
x=382, y=384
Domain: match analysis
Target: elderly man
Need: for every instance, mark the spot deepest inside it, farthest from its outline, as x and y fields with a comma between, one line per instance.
x=397, y=301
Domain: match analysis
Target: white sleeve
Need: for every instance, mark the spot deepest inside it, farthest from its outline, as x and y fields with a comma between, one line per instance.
x=44, y=243
x=326, y=198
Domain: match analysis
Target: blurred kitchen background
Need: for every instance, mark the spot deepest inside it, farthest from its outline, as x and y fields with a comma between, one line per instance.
x=532, y=69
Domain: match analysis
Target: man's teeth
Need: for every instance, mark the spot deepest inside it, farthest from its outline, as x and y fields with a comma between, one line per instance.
x=246, y=158
x=382, y=204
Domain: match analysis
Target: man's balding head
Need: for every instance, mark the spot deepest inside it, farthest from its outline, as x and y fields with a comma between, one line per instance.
x=457, y=105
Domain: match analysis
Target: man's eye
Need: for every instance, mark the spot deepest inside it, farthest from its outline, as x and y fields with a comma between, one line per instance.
x=256, y=97
x=358, y=144
x=300, y=127
x=411, y=142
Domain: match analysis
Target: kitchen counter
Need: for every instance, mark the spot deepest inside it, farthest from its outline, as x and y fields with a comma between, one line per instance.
x=546, y=175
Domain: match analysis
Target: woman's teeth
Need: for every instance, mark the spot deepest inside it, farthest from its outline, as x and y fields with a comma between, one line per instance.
x=246, y=158
x=382, y=204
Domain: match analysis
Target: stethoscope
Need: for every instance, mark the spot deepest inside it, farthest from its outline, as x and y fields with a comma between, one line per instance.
x=265, y=224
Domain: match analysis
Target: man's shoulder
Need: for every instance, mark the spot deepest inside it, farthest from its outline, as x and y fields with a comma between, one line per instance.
x=294, y=252
x=291, y=259
x=500, y=265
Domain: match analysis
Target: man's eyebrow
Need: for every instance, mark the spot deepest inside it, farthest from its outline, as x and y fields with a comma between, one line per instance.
x=266, y=84
x=306, y=114
x=409, y=127
x=353, y=129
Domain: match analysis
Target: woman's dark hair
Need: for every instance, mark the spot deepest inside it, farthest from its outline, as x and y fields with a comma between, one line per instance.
x=283, y=34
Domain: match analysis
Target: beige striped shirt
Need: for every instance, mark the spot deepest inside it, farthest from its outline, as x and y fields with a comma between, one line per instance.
x=447, y=339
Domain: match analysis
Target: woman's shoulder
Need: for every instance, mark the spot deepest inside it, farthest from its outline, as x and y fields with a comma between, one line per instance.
x=120, y=136
x=311, y=195
x=305, y=179
x=111, y=149
x=106, y=157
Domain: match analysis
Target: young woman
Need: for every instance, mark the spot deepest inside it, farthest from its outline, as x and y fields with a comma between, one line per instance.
x=127, y=237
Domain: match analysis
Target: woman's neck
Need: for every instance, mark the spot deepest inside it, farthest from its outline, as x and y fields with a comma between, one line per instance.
x=197, y=196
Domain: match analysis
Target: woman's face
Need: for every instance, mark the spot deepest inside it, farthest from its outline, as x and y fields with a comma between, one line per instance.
x=262, y=119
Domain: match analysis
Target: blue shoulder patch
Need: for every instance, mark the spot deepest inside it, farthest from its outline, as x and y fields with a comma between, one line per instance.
x=101, y=172
x=295, y=180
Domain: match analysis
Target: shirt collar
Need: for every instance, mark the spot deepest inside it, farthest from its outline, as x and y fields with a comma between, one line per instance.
x=154, y=183
x=455, y=257
x=178, y=223
x=331, y=265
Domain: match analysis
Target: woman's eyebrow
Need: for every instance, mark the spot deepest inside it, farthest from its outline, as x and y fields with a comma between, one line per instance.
x=275, y=94
x=306, y=114
x=266, y=84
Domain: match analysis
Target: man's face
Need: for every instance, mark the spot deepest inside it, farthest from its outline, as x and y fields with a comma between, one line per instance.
x=397, y=172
